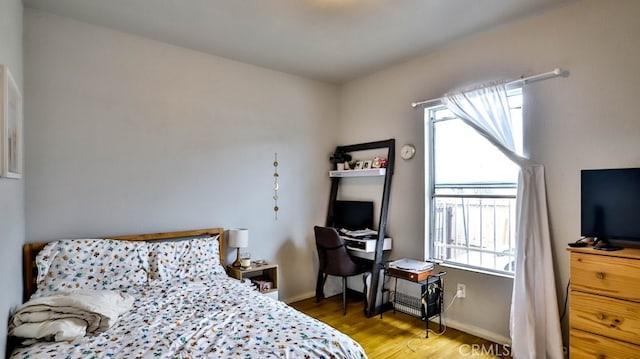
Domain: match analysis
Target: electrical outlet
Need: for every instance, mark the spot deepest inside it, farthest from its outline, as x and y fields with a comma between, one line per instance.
x=461, y=291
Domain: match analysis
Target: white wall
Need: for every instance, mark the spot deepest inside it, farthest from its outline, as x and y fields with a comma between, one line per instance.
x=11, y=190
x=587, y=120
x=130, y=135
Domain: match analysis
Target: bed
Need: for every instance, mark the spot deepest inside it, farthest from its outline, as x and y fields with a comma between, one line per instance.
x=184, y=304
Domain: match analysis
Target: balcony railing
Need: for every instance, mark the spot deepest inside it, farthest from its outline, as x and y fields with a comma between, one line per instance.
x=475, y=230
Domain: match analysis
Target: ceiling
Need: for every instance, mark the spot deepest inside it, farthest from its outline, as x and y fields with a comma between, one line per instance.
x=327, y=40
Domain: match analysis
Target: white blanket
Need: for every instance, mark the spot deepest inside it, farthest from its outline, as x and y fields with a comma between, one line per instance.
x=69, y=315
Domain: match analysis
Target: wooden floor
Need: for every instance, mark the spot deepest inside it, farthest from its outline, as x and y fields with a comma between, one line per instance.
x=397, y=335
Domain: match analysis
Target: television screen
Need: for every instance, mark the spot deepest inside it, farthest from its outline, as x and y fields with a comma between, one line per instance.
x=353, y=215
x=610, y=203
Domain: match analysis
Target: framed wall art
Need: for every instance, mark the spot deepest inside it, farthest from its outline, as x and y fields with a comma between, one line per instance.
x=10, y=126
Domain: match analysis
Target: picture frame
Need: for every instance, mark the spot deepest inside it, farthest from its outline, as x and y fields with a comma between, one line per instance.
x=366, y=165
x=10, y=126
x=358, y=165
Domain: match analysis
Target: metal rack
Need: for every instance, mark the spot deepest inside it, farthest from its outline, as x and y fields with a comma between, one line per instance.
x=425, y=307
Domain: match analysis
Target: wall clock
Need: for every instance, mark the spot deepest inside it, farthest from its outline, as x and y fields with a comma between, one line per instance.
x=407, y=151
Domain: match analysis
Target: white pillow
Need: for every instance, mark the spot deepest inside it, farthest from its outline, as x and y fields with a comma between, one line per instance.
x=189, y=259
x=92, y=264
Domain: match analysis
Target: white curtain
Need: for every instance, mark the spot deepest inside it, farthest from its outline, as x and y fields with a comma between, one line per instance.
x=535, y=323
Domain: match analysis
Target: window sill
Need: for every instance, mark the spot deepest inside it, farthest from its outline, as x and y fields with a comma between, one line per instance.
x=473, y=269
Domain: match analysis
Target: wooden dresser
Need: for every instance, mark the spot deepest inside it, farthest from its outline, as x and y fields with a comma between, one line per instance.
x=604, y=303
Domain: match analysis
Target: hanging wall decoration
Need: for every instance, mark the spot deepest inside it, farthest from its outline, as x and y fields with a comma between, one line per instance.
x=276, y=186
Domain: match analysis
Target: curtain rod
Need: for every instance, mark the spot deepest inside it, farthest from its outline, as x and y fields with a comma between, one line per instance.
x=521, y=81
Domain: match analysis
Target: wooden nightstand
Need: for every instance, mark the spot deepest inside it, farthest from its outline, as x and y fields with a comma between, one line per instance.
x=265, y=272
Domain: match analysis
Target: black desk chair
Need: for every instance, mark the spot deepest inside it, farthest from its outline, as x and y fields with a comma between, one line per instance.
x=334, y=260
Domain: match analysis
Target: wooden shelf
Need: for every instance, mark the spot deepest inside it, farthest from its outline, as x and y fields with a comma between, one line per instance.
x=267, y=271
x=359, y=173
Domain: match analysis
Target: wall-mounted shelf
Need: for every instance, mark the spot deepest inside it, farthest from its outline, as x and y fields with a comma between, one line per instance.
x=359, y=173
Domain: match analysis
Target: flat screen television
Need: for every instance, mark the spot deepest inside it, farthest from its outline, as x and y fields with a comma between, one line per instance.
x=610, y=204
x=353, y=215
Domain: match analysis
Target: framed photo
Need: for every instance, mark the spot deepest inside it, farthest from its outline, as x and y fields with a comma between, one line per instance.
x=358, y=165
x=10, y=126
x=366, y=165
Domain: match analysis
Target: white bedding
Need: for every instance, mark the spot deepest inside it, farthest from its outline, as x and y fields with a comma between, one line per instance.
x=220, y=318
x=69, y=315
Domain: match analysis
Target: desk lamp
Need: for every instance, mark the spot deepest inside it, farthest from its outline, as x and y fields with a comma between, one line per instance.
x=238, y=238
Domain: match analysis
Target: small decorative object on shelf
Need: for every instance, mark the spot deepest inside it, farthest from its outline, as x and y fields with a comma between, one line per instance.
x=245, y=260
x=339, y=157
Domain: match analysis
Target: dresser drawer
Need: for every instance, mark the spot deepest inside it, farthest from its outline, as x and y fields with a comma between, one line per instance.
x=618, y=319
x=610, y=276
x=587, y=345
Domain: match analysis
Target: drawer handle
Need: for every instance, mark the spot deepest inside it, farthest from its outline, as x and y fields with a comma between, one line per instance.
x=601, y=316
x=600, y=275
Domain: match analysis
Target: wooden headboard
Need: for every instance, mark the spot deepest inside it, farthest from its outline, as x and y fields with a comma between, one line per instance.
x=30, y=251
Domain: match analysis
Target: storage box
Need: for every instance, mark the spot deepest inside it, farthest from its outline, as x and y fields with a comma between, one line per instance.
x=263, y=285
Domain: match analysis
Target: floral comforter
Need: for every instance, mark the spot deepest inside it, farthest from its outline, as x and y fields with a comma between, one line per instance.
x=223, y=319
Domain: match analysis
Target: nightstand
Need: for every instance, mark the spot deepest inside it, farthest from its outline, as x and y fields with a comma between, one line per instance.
x=264, y=274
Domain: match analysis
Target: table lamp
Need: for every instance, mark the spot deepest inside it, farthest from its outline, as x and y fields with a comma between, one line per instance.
x=238, y=238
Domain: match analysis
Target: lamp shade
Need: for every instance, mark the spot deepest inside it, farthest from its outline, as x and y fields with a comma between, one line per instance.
x=239, y=238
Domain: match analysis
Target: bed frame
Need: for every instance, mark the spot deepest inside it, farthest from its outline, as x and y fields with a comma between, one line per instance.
x=30, y=251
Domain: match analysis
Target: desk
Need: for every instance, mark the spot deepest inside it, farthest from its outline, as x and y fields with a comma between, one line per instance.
x=429, y=304
x=365, y=248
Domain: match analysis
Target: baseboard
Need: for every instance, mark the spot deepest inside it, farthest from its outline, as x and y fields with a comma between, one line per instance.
x=477, y=331
x=300, y=297
x=350, y=293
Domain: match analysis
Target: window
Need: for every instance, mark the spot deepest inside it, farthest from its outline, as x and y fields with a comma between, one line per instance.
x=471, y=192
